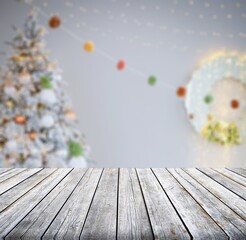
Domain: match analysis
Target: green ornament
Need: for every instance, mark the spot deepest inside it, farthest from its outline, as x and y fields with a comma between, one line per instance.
x=75, y=149
x=46, y=82
x=152, y=80
x=208, y=99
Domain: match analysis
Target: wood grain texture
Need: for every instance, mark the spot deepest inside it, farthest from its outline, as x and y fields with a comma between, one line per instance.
x=164, y=219
x=122, y=204
x=133, y=221
x=69, y=222
x=239, y=171
x=197, y=221
x=102, y=217
x=11, y=216
x=232, y=224
x=34, y=224
x=19, y=176
x=236, y=203
x=9, y=197
x=232, y=175
x=233, y=186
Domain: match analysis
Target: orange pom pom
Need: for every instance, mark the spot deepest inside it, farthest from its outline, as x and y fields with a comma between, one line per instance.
x=181, y=92
x=235, y=104
x=54, y=22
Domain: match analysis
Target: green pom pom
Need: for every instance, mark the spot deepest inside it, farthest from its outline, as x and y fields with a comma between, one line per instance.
x=46, y=82
x=208, y=99
x=75, y=149
x=152, y=80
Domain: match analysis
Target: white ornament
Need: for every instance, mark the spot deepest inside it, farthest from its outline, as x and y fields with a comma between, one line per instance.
x=62, y=153
x=11, y=146
x=10, y=90
x=47, y=96
x=46, y=121
x=77, y=162
x=24, y=78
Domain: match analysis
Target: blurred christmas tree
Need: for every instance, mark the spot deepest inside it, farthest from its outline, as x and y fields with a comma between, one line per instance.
x=37, y=125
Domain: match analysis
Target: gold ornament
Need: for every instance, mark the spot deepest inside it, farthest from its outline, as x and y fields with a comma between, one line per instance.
x=17, y=58
x=10, y=103
x=40, y=106
x=20, y=119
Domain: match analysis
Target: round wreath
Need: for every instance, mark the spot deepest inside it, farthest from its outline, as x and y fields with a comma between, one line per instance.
x=198, y=100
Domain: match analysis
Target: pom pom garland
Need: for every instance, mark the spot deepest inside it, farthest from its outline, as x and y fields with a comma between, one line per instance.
x=181, y=92
x=152, y=80
x=235, y=104
x=121, y=65
x=54, y=22
x=89, y=46
x=208, y=99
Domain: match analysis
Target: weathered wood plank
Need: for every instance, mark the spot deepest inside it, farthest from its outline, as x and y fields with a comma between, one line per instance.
x=233, y=176
x=233, y=201
x=226, y=182
x=19, y=190
x=17, y=178
x=101, y=220
x=11, y=216
x=228, y=220
x=12, y=172
x=35, y=223
x=199, y=223
x=165, y=221
x=133, y=221
x=239, y=171
x=69, y=222
x=3, y=170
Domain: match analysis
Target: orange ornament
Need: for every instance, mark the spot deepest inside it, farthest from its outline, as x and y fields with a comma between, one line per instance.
x=181, y=92
x=70, y=114
x=20, y=119
x=235, y=103
x=32, y=135
x=54, y=22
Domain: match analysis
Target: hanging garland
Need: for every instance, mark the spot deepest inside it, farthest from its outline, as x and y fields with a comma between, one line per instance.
x=198, y=100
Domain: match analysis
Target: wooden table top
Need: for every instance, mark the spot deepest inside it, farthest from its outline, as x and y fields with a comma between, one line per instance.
x=122, y=203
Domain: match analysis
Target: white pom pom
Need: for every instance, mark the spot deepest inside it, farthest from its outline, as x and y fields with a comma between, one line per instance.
x=47, y=96
x=11, y=146
x=9, y=90
x=77, y=162
x=46, y=121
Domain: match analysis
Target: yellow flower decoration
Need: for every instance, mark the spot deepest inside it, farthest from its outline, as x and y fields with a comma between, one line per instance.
x=222, y=132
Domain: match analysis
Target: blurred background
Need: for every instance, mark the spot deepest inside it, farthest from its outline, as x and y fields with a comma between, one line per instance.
x=127, y=122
